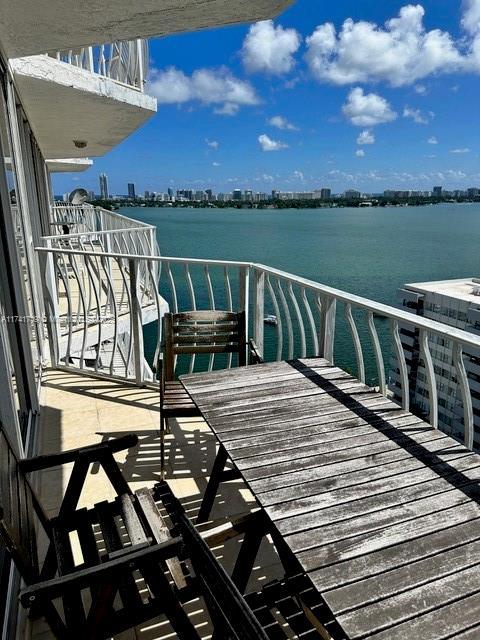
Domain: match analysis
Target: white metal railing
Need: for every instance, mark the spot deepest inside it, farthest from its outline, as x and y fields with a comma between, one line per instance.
x=125, y=62
x=306, y=312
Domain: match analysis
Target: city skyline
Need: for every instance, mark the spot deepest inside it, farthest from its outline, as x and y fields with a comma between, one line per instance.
x=293, y=114
x=323, y=193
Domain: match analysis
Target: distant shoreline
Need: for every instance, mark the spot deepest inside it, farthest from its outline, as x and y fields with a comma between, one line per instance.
x=286, y=204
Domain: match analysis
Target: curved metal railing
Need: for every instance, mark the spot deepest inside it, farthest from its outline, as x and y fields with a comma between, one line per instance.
x=125, y=62
x=104, y=288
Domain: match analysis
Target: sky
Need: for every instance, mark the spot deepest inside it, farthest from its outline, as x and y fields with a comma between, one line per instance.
x=364, y=95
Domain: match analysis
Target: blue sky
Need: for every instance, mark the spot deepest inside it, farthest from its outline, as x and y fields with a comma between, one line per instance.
x=388, y=99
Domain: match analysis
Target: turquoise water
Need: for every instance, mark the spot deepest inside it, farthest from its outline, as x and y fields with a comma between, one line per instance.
x=370, y=252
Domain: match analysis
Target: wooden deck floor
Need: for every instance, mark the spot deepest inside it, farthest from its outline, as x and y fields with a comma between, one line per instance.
x=380, y=510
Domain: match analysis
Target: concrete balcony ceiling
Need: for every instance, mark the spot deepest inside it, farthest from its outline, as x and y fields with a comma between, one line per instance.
x=75, y=113
x=29, y=28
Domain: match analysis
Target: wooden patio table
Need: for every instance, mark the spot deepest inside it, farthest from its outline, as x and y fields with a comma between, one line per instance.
x=380, y=510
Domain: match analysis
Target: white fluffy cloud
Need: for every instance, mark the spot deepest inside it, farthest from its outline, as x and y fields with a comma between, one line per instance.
x=460, y=151
x=432, y=140
x=298, y=175
x=471, y=16
x=281, y=123
x=366, y=137
x=208, y=86
x=215, y=164
x=213, y=144
x=416, y=115
x=270, y=48
x=400, y=53
x=268, y=144
x=360, y=153
x=367, y=110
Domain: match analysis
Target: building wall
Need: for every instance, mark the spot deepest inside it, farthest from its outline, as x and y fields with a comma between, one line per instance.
x=24, y=218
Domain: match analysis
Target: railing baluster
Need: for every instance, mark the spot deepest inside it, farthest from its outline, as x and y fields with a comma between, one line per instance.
x=402, y=365
x=211, y=299
x=136, y=314
x=288, y=318
x=356, y=342
x=127, y=290
x=279, y=328
x=228, y=295
x=327, y=327
x=193, y=302
x=311, y=321
x=259, y=310
x=378, y=353
x=243, y=297
x=173, y=288
x=112, y=303
x=430, y=372
x=159, y=319
x=64, y=279
x=301, y=327
x=462, y=379
x=98, y=311
x=73, y=263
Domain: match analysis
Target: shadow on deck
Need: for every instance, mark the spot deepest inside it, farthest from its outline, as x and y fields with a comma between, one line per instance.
x=77, y=411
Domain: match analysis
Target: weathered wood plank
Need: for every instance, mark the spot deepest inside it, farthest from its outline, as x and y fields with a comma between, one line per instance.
x=347, y=390
x=384, y=445
x=398, y=580
x=433, y=453
x=160, y=532
x=442, y=623
x=343, y=429
x=339, y=532
x=412, y=603
x=254, y=435
x=312, y=473
x=257, y=381
x=403, y=498
x=460, y=510
x=296, y=412
x=402, y=554
x=315, y=445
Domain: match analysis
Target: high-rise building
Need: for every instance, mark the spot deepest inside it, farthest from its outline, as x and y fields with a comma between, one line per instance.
x=91, y=195
x=437, y=191
x=131, y=190
x=352, y=194
x=237, y=194
x=325, y=194
x=103, y=186
x=457, y=304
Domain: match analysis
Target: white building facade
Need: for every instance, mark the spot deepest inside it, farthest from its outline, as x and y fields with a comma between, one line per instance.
x=455, y=303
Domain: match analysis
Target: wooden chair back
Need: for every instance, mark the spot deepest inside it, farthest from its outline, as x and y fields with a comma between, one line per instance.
x=19, y=513
x=203, y=332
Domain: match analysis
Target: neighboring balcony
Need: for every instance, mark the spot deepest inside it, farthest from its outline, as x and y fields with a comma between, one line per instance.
x=83, y=102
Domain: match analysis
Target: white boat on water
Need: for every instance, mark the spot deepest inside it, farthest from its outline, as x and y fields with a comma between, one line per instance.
x=271, y=319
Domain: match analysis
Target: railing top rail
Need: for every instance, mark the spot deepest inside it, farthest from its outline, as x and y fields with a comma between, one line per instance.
x=82, y=234
x=451, y=333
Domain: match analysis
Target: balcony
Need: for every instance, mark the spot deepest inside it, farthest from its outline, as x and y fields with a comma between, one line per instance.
x=124, y=62
x=83, y=102
x=307, y=322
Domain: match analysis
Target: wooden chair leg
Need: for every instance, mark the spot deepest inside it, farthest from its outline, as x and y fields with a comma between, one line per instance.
x=163, y=425
x=212, y=486
x=219, y=474
x=246, y=558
